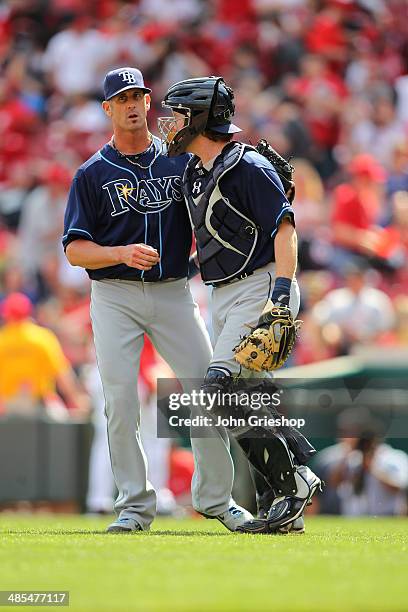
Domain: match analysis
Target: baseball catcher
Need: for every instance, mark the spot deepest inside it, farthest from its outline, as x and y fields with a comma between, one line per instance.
x=239, y=202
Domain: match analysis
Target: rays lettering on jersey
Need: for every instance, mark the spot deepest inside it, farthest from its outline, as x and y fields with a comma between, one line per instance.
x=148, y=196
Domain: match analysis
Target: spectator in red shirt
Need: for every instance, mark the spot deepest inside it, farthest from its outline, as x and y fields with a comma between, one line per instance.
x=321, y=93
x=326, y=35
x=357, y=208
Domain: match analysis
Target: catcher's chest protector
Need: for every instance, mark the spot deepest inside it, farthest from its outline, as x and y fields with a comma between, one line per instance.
x=225, y=237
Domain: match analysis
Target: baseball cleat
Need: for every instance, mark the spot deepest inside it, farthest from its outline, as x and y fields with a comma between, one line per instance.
x=232, y=518
x=265, y=501
x=256, y=526
x=297, y=527
x=286, y=510
x=124, y=525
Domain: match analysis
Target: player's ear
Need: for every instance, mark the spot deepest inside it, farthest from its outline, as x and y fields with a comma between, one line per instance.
x=147, y=101
x=107, y=108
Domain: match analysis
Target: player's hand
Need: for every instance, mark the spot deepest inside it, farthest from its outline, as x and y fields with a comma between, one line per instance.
x=140, y=256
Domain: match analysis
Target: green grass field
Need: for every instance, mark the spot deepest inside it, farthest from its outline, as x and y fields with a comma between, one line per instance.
x=358, y=564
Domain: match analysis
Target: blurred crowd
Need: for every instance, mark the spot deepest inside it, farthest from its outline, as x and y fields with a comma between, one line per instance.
x=325, y=81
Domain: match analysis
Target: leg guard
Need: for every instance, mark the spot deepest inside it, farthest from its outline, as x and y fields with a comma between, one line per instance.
x=298, y=444
x=265, y=495
x=265, y=448
x=271, y=457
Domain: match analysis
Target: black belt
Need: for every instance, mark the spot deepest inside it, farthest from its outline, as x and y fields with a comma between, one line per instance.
x=232, y=280
x=143, y=280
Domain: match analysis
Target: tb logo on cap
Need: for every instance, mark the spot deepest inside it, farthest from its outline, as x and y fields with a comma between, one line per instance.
x=128, y=77
x=123, y=78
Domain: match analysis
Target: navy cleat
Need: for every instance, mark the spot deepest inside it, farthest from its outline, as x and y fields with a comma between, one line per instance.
x=124, y=525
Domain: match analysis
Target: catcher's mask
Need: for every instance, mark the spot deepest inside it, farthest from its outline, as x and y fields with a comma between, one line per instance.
x=196, y=105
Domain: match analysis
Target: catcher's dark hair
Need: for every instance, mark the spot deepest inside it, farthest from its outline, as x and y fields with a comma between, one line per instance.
x=217, y=137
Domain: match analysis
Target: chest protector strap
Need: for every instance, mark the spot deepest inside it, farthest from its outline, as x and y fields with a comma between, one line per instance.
x=225, y=237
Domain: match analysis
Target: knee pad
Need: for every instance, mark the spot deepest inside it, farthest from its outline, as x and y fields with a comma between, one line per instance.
x=217, y=379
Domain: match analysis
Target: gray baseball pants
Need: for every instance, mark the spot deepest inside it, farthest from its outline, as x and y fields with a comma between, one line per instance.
x=238, y=305
x=122, y=311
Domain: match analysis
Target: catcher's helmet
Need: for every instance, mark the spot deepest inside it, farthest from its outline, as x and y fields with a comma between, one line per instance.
x=207, y=104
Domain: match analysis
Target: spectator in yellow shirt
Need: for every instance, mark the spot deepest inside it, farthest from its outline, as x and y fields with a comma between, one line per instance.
x=32, y=363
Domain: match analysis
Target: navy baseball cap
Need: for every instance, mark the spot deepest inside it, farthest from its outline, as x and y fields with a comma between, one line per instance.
x=121, y=79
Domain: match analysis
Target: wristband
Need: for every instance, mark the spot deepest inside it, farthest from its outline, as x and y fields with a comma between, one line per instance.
x=281, y=291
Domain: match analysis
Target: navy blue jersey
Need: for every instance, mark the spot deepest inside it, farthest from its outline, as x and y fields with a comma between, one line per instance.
x=114, y=202
x=255, y=189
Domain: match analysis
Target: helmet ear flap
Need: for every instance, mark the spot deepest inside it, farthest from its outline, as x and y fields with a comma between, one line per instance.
x=223, y=99
x=227, y=113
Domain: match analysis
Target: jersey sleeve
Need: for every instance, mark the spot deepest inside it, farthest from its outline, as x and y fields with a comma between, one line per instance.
x=80, y=213
x=266, y=199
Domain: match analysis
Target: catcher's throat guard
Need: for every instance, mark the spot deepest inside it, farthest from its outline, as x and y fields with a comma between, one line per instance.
x=269, y=344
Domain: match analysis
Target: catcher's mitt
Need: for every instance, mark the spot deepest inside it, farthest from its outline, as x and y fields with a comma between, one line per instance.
x=268, y=346
x=282, y=166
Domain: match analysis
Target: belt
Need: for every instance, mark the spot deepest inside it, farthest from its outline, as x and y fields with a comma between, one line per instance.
x=232, y=280
x=164, y=280
x=145, y=282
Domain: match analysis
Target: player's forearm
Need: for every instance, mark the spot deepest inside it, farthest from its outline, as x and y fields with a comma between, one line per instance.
x=93, y=256
x=87, y=254
x=285, y=250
